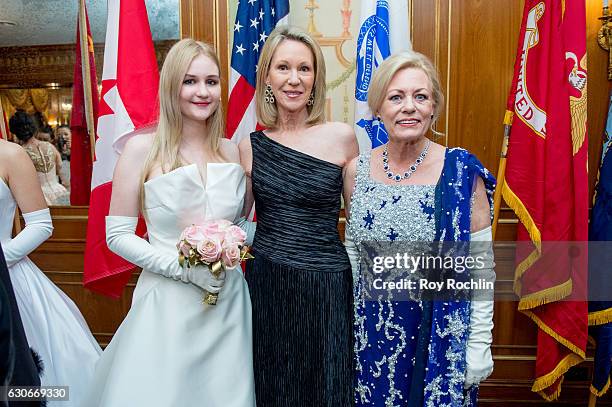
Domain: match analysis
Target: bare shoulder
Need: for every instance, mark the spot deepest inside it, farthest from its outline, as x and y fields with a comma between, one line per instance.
x=9, y=149
x=138, y=145
x=340, y=131
x=245, y=146
x=229, y=150
x=245, y=143
x=12, y=153
x=342, y=136
x=15, y=163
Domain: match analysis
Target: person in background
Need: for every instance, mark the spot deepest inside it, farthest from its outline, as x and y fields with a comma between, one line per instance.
x=64, y=144
x=417, y=352
x=53, y=325
x=44, y=155
x=45, y=133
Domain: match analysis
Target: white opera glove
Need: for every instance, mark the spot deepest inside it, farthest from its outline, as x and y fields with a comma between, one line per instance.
x=479, y=361
x=38, y=228
x=121, y=238
x=352, y=251
x=249, y=228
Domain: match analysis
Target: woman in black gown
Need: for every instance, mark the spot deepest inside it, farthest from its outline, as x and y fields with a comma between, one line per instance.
x=300, y=280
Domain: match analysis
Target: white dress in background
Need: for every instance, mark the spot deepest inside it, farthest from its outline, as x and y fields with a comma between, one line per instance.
x=172, y=350
x=43, y=157
x=54, y=327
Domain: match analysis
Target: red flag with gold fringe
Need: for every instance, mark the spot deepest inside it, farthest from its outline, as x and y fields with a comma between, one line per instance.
x=546, y=182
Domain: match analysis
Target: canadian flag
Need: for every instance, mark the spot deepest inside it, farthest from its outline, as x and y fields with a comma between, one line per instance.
x=128, y=106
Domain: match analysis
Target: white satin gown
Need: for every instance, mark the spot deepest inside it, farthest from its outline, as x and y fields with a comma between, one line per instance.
x=172, y=350
x=53, y=324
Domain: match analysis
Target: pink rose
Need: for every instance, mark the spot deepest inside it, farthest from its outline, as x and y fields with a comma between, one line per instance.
x=183, y=247
x=193, y=234
x=235, y=235
x=215, y=229
x=231, y=255
x=209, y=250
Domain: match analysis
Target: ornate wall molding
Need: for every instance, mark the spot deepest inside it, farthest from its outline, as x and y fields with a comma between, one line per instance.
x=51, y=65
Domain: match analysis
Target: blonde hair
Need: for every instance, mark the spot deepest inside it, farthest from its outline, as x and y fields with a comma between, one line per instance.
x=391, y=66
x=166, y=141
x=267, y=113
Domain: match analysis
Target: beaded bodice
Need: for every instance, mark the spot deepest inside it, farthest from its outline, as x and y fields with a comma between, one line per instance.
x=43, y=156
x=390, y=212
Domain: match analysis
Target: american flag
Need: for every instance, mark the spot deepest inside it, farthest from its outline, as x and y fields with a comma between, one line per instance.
x=255, y=20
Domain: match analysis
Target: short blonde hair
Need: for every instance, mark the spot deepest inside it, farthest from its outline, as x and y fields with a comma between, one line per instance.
x=267, y=113
x=391, y=66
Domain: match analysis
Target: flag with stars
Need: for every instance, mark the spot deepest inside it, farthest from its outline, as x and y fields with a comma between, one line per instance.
x=383, y=30
x=255, y=19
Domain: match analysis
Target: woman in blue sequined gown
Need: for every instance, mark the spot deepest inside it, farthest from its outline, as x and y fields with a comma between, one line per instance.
x=413, y=352
x=300, y=280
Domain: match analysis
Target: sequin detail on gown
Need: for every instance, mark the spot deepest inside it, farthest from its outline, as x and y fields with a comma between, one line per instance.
x=386, y=331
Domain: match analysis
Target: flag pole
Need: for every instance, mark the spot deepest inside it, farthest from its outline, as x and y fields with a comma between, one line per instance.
x=501, y=171
x=85, y=70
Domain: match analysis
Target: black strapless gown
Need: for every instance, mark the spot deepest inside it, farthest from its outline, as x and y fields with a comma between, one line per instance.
x=300, y=281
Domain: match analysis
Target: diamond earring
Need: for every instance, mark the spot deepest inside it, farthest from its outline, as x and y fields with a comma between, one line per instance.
x=269, y=96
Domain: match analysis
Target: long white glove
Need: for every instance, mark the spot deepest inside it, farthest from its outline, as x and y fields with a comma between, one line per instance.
x=121, y=238
x=352, y=251
x=478, y=354
x=38, y=228
x=249, y=228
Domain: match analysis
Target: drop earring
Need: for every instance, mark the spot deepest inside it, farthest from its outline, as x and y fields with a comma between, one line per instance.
x=269, y=95
x=311, y=99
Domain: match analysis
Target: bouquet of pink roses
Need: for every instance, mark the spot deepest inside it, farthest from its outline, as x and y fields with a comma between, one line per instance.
x=218, y=244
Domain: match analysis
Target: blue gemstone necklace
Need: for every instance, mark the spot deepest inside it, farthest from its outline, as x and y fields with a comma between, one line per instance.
x=411, y=170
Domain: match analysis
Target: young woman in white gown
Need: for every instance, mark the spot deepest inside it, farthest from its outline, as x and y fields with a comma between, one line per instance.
x=54, y=327
x=172, y=350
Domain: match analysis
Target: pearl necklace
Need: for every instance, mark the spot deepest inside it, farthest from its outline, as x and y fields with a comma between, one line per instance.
x=411, y=170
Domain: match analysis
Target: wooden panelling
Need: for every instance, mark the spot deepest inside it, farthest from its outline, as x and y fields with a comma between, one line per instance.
x=482, y=45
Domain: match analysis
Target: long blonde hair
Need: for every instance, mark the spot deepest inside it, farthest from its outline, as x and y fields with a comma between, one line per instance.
x=267, y=113
x=166, y=141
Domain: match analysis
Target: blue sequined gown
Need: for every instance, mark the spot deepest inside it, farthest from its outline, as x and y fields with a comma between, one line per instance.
x=386, y=332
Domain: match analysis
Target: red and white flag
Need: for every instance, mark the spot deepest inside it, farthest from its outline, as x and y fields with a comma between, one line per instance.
x=128, y=106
